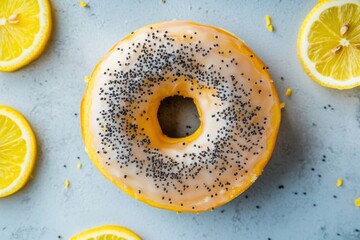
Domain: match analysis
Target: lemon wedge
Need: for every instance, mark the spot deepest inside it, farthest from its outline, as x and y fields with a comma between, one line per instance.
x=329, y=43
x=25, y=27
x=17, y=151
x=108, y=232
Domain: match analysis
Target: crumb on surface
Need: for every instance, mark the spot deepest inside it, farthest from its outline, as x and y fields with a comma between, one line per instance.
x=269, y=26
x=83, y=4
x=357, y=202
x=268, y=20
x=86, y=79
x=282, y=105
x=339, y=182
x=288, y=92
x=67, y=184
x=79, y=165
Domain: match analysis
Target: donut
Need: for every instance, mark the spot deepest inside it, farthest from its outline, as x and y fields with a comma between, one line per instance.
x=238, y=106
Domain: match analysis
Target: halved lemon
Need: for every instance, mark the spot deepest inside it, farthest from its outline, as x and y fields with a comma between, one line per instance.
x=108, y=232
x=17, y=151
x=329, y=43
x=25, y=27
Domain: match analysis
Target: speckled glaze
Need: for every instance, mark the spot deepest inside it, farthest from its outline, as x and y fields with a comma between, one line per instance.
x=237, y=103
x=48, y=93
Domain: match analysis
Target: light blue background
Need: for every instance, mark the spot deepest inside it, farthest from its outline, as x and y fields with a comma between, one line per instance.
x=48, y=93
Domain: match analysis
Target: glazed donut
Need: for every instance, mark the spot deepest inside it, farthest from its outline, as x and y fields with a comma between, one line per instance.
x=238, y=106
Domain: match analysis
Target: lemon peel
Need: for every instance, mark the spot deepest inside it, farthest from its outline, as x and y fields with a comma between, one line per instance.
x=288, y=92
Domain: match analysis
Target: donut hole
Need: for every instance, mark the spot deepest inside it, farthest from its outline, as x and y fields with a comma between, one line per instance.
x=178, y=116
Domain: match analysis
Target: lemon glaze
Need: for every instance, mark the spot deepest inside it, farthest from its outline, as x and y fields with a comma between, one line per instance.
x=238, y=107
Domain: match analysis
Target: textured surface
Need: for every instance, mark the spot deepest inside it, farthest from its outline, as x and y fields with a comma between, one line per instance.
x=295, y=198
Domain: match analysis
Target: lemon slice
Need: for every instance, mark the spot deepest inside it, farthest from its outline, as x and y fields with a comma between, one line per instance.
x=17, y=151
x=108, y=232
x=25, y=27
x=329, y=43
